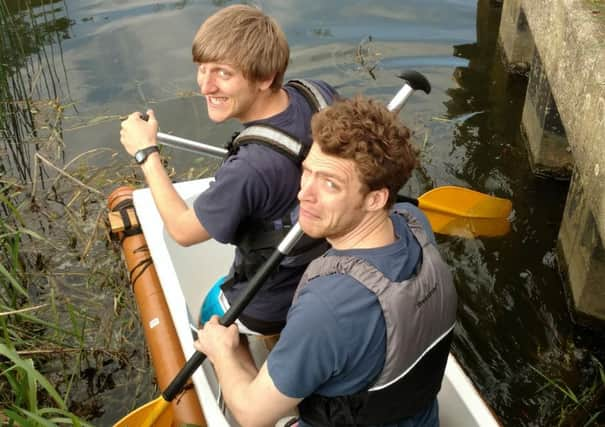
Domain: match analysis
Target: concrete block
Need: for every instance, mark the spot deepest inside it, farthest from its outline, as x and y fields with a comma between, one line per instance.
x=569, y=39
x=515, y=36
x=582, y=257
x=549, y=152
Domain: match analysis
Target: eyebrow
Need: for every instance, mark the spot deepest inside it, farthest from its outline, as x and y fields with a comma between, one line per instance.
x=325, y=174
x=220, y=67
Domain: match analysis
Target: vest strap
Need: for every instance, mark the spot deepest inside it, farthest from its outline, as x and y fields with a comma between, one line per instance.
x=311, y=92
x=274, y=138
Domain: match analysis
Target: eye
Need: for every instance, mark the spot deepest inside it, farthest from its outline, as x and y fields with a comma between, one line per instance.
x=223, y=74
x=331, y=184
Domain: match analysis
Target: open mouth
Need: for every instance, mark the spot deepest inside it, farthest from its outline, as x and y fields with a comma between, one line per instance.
x=216, y=100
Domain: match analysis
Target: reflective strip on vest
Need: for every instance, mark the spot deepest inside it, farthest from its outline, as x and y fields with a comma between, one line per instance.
x=274, y=137
x=319, y=98
x=271, y=136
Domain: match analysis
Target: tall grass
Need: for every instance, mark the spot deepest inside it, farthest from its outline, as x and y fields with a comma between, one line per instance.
x=28, y=408
x=583, y=407
x=58, y=276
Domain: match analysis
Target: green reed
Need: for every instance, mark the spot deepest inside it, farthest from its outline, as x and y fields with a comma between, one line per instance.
x=54, y=256
x=27, y=407
x=584, y=407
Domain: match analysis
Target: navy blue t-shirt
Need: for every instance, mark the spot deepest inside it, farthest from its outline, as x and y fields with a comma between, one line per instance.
x=258, y=183
x=334, y=342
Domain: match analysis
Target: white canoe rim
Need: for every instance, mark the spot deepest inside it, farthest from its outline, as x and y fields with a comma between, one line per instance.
x=186, y=273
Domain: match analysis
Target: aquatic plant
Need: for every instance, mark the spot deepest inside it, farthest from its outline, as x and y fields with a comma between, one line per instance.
x=27, y=385
x=584, y=407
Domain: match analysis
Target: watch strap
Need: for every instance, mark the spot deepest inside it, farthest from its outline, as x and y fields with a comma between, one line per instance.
x=141, y=155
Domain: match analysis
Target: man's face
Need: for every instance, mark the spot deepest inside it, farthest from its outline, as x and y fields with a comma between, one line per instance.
x=228, y=94
x=331, y=198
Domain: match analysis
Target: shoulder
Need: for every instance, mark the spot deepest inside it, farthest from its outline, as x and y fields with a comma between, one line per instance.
x=339, y=293
x=254, y=159
x=416, y=213
x=326, y=90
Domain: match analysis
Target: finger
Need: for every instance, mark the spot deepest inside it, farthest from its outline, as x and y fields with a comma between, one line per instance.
x=151, y=114
x=136, y=115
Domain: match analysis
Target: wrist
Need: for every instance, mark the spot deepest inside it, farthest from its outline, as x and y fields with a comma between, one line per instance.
x=141, y=156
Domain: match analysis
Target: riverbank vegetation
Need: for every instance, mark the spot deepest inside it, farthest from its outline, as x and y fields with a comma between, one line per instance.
x=59, y=347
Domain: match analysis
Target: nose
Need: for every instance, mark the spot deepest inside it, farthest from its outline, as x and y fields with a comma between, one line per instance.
x=306, y=188
x=204, y=81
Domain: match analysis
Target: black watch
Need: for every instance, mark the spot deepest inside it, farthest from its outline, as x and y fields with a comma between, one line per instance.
x=141, y=155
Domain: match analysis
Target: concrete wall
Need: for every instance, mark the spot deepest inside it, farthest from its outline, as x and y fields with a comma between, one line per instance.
x=562, y=43
x=570, y=40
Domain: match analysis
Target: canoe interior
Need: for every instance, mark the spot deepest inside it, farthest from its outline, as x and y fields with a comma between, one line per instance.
x=186, y=274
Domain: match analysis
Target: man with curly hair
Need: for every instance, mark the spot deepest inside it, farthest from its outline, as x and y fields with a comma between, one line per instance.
x=369, y=332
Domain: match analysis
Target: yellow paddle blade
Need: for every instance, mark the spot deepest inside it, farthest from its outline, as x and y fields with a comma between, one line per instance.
x=157, y=413
x=453, y=225
x=464, y=203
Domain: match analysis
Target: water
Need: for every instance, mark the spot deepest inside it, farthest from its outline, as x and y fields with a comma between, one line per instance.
x=108, y=58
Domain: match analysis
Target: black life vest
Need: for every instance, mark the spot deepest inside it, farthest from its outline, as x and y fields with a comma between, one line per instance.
x=257, y=239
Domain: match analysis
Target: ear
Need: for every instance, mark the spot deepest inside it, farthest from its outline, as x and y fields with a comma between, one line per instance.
x=266, y=84
x=377, y=199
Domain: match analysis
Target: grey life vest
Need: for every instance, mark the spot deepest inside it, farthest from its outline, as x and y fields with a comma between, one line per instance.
x=256, y=241
x=419, y=315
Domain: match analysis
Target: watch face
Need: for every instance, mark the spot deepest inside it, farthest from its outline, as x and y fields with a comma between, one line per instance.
x=140, y=156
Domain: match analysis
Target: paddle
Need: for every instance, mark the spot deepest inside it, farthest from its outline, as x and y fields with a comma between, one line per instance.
x=153, y=410
x=451, y=210
x=458, y=211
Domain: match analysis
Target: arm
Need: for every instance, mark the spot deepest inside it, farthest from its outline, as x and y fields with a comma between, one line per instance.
x=250, y=394
x=180, y=220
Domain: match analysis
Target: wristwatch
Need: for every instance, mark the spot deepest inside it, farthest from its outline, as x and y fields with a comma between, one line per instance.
x=141, y=155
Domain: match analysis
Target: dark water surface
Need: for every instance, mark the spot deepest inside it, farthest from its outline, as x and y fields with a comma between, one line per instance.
x=109, y=58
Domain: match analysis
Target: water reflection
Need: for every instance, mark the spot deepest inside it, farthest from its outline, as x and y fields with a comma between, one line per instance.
x=31, y=82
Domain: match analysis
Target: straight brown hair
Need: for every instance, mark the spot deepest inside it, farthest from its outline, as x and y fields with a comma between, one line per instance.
x=245, y=38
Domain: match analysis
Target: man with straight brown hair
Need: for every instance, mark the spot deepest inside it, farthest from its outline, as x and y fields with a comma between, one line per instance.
x=241, y=56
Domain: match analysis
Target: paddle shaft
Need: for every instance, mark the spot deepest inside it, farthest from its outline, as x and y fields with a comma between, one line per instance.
x=236, y=309
x=200, y=147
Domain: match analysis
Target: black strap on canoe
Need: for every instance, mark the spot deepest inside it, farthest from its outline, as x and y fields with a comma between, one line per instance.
x=142, y=266
x=130, y=229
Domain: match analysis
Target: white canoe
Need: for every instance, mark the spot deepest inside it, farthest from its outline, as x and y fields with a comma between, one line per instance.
x=186, y=274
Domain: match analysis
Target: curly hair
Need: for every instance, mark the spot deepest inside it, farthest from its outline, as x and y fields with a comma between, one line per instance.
x=246, y=38
x=364, y=131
